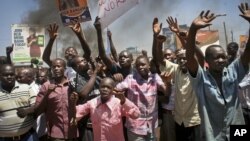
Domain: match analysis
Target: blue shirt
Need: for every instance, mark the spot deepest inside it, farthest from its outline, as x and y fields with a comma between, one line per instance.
x=219, y=111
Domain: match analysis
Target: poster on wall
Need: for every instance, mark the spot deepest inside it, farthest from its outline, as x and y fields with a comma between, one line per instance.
x=28, y=42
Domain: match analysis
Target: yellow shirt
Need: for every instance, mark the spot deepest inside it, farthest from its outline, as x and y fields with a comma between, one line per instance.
x=186, y=106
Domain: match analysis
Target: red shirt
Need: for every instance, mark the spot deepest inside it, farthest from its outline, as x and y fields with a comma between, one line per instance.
x=58, y=110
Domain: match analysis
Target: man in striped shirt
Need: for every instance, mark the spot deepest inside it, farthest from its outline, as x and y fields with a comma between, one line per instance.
x=13, y=96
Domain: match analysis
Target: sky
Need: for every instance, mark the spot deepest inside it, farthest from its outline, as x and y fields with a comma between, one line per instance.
x=134, y=28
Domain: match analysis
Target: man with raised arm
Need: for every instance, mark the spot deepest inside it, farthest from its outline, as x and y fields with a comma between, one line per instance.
x=186, y=115
x=70, y=52
x=125, y=58
x=216, y=88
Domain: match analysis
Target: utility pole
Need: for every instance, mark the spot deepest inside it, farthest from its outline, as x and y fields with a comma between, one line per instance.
x=232, y=35
x=225, y=31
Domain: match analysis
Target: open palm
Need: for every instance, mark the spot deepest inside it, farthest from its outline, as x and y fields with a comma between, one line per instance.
x=156, y=26
x=203, y=20
x=245, y=11
x=53, y=30
x=173, y=25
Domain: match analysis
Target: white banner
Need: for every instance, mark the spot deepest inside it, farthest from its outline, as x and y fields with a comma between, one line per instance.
x=110, y=10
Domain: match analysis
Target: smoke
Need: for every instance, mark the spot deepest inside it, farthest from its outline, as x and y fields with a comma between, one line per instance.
x=135, y=27
x=47, y=13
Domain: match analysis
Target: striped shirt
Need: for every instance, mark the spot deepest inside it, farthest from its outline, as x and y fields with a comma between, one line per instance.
x=10, y=123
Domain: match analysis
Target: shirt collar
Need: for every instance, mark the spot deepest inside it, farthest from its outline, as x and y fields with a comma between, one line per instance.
x=15, y=87
x=110, y=103
x=139, y=77
x=66, y=83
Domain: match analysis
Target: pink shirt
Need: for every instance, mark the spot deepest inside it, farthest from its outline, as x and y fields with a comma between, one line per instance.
x=58, y=110
x=143, y=93
x=107, y=118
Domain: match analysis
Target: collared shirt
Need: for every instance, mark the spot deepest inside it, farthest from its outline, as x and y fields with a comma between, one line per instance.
x=219, y=110
x=35, y=87
x=244, y=92
x=107, y=117
x=10, y=123
x=40, y=124
x=143, y=93
x=58, y=109
x=186, y=105
x=70, y=73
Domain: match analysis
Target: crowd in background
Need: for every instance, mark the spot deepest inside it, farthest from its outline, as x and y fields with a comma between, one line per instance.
x=181, y=95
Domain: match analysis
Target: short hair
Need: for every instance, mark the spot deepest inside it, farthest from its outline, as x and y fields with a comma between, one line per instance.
x=2, y=67
x=28, y=72
x=168, y=49
x=233, y=45
x=61, y=60
x=180, y=51
x=208, y=52
x=109, y=79
x=141, y=57
x=129, y=54
x=72, y=62
x=70, y=48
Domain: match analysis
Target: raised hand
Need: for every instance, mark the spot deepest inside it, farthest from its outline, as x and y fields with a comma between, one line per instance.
x=9, y=49
x=203, y=20
x=51, y=88
x=166, y=76
x=21, y=112
x=97, y=23
x=118, y=77
x=99, y=66
x=76, y=27
x=245, y=11
x=109, y=33
x=173, y=24
x=120, y=95
x=144, y=52
x=53, y=31
x=156, y=27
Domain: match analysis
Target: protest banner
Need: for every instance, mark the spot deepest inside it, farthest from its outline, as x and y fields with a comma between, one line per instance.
x=73, y=10
x=28, y=41
x=110, y=10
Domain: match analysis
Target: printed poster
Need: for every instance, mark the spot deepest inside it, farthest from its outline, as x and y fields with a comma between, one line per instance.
x=73, y=10
x=29, y=42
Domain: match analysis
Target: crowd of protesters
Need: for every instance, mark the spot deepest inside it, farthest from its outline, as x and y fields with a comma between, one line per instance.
x=173, y=96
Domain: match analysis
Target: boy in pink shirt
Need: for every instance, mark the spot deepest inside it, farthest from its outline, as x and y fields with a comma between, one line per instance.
x=106, y=112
